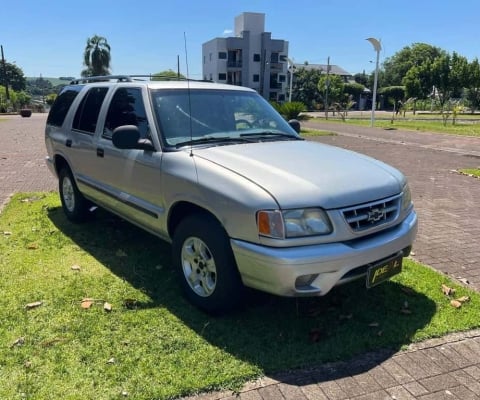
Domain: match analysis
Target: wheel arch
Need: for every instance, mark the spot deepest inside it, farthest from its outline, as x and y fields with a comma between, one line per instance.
x=183, y=209
x=60, y=162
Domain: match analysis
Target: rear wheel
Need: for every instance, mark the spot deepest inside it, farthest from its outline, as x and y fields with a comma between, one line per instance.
x=74, y=205
x=205, y=264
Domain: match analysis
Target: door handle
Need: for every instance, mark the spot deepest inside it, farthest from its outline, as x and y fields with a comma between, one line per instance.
x=68, y=143
x=100, y=152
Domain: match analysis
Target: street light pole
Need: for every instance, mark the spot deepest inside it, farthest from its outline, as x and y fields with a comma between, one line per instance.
x=292, y=70
x=377, y=46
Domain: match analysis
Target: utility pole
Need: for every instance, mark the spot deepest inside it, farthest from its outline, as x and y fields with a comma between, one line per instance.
x=327, y=83
x=5, y=75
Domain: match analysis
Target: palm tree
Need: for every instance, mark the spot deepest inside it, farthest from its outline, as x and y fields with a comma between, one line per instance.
x=96, y=57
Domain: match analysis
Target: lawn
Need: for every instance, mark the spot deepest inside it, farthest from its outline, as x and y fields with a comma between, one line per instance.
x=94, y=311
x=474, y=172
x=465, y=125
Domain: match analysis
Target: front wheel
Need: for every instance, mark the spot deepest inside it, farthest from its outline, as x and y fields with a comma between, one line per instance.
x=74, y=205
x=205, y=264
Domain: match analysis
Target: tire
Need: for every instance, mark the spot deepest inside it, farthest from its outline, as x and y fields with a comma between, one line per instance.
x=205, y=265
x=74, y=205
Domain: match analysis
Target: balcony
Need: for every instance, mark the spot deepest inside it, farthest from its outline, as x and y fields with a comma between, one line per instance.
x=234, y=64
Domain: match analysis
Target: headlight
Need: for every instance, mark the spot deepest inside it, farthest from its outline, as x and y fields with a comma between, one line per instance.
x=406, y=198
x=293, y=223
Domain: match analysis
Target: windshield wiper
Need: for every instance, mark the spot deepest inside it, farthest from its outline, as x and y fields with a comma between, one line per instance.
x=212, y=140
x=272, y=134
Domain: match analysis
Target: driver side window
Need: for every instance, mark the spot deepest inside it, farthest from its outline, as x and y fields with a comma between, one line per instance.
x=126, y=108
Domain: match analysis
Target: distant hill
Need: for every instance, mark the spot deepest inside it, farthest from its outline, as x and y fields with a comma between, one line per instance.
x=54, y=81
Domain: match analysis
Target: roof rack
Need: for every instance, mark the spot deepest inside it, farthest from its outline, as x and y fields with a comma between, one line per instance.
x=123, y=78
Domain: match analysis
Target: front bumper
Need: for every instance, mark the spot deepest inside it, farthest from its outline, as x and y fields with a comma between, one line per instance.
x=315, y=270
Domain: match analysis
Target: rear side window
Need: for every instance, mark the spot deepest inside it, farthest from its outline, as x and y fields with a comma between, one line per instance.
x=62, y=104
x=87, y=113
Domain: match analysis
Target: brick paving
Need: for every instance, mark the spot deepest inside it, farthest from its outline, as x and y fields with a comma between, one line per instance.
x=449, y=228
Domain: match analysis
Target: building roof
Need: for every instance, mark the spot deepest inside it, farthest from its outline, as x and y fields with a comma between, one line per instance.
x=334, y=69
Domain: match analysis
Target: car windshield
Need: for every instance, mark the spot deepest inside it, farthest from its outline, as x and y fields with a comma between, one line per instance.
x=216, y=117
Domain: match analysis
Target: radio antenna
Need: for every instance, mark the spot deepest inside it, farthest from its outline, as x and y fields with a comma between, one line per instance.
x=189, y=97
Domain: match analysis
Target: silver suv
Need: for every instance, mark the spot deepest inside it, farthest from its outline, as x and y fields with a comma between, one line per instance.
x=244, y=200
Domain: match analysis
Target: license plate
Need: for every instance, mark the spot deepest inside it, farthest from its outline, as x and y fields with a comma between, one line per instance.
x=384, y=270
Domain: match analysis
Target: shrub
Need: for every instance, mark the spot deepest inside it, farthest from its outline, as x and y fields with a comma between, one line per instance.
x=290, y=110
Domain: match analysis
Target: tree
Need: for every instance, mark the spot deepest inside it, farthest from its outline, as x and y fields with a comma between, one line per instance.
x=96, y=57
x=335, y=88
x=16, y=79
x=39, y=86
x=395, y=93
x=304, y=88
x=168, y=75
x=362, y=78
x=473, y=85
x=442, y=79
x=354, y=91
x=418, y=81
x=397, y=66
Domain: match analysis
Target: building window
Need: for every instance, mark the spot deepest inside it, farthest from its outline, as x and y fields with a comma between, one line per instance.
x=281, y=78
x=211, y=77
x=222, y=77
x=273, y=96
x=256, y=77
x=274, y=58
x=210, y=57
x=281, y=97
x=256, y=57
x=283, y=58
x=222, y=55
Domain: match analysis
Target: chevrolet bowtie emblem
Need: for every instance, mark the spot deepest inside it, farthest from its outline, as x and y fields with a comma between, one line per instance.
x=375, y=215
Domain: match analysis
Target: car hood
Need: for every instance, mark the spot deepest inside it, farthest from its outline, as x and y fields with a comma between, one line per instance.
x=308, y=174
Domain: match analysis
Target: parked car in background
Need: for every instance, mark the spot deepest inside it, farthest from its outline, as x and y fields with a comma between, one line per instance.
x=243, y=199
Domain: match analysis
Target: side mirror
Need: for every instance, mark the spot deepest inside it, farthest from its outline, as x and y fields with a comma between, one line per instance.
x=295, y=124
x=128, y=137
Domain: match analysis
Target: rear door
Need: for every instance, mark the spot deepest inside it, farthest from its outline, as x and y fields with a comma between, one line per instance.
x=81, y=142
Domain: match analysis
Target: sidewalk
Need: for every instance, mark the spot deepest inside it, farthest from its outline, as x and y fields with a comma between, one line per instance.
x=449, y=227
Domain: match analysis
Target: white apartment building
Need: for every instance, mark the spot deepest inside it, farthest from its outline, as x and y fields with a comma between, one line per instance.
x=251, y=58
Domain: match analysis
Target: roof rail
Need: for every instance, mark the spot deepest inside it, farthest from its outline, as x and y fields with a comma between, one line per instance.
x=123, y=78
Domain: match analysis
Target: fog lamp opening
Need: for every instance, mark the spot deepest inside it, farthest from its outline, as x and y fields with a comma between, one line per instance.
x=305, y=280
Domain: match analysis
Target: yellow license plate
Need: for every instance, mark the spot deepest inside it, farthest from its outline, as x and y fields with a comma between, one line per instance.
x=384, y=270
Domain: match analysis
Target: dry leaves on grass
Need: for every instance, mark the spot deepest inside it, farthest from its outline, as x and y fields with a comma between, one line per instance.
x=18, y=342
x=32, y=246
x=35, y=304
x=75, y=268
x=86, y=303
x=447, y=291
x=457, y=303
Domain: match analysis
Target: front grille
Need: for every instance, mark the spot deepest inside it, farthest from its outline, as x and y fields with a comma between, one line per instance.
x=372, y=215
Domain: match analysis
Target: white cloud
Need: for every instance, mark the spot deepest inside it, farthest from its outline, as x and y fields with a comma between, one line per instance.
x=227, y=32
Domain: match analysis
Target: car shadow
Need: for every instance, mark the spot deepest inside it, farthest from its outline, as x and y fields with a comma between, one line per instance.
x=274, y=333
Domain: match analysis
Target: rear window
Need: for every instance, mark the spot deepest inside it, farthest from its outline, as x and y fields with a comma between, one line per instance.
x=62, y=104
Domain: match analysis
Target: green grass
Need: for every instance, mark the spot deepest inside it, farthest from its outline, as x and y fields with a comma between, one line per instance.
x=315, y=132
x=464, y=126
x=153, y=344
x=471, y=171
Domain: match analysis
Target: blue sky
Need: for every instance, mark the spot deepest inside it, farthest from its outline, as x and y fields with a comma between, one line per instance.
x=48, y=37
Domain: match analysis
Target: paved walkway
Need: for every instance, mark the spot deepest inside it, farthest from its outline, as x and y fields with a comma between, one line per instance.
x=449, y=217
